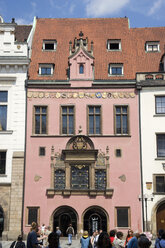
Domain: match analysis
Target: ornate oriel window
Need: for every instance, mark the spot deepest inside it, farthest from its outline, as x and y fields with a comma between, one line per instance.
x=80, y=169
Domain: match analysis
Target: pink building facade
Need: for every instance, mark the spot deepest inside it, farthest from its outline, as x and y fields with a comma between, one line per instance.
x=82, y=145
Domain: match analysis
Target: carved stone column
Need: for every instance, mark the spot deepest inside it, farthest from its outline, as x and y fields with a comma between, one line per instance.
x=107, y=168
x=52, y=168
x=67, y=177
x=92, y=176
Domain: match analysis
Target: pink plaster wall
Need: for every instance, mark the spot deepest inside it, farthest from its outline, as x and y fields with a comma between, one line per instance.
x=125, y=193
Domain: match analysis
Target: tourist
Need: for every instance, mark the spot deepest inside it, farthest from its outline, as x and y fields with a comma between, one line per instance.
x=161, y=243
x=53, y=240
x=104, y=241
x=133, y=242
x=47, y=232
x=32, y=241
x=70, y=232
x=58, y=231
x=128, y=237
x=159, y=236
x=19, y=243
x=85, y=240
x=112, y=235
x=118, y=242
x=144, y=242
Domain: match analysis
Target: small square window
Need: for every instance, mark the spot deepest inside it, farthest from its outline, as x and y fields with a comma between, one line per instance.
x=116, y=69
x=159, y=183
x=42, y=151
x=49, y=45
x=118, y=152
x=114, y=45
x=152, y=46
x=46, y=69
x=32, y=215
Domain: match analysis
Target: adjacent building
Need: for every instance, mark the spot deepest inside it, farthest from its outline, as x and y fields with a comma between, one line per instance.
x=13, y=73
x=82, y=145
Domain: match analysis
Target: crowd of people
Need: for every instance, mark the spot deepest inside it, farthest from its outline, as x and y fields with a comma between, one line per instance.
x=44, y=238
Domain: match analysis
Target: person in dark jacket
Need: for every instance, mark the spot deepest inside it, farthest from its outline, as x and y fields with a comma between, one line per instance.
x=19, y=243
x=104, y=241
x=159, y=236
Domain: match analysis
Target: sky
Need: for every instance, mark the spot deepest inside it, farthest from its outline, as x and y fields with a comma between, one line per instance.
x=141, y=13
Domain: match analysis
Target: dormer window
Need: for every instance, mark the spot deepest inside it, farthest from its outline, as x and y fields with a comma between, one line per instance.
x=152, y=46
x=81, y=69
x=114, y=45
x=49, y=45
x=116, y=69
x=46, y=69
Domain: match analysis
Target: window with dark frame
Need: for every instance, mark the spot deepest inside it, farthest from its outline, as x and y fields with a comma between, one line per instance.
x=160, y=145
x=41, y=151
x=2, y=162
x=40, y=119
x=3, y=110
x=160, y=104
x=94, y=119
x=160, y=183
x=80, y=177
x=121, y=120
x=118, y=152
x=122, y=216
x=59, y=180
x=32, y=215
x=100, y=179
x=67, y=113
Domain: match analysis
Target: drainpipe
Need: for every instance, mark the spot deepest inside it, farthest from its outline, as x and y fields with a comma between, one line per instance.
x=23, y=193
x=141, y=167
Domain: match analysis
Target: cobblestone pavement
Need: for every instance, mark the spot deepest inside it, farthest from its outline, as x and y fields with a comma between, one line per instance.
x=63, y=243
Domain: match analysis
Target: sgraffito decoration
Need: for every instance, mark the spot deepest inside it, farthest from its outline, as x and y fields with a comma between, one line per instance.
x=80, y=95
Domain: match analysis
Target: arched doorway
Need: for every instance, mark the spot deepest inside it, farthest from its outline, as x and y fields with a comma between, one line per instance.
x=63, y=217
x=1, y=221
x=160, y=217
x=95, y=219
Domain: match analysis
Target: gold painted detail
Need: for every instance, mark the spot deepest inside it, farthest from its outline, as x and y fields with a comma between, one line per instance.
x=162, y=221
x=79, y=166
x=79, y=144
x=81, y=95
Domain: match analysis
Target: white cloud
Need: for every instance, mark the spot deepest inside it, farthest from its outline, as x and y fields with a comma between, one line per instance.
x=71, y=9
x=157, y=4
x=99, y=8
x=22, y=21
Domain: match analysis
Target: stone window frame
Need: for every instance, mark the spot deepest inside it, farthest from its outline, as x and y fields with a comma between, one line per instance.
x=113, y=41
x=33, y=121
x=154, y=184
x=74, y=118
x=129, y=217
x=128, y=119
x=149, y=46
x=101, y=124
x=156, y=97
x=27, y=214
x=54, y=42
x=5, y=104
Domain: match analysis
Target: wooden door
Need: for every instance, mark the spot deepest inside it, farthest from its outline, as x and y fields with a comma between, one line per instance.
x=160, y=217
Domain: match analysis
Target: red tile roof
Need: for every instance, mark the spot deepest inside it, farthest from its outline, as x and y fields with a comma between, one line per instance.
x=98, y=30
